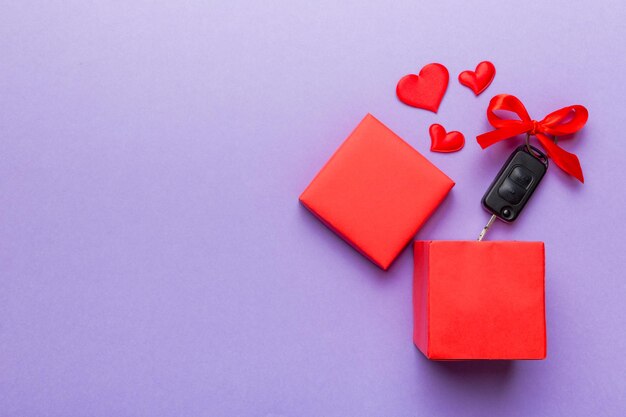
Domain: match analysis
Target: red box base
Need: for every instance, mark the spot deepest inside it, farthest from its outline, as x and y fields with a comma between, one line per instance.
x=479, y=300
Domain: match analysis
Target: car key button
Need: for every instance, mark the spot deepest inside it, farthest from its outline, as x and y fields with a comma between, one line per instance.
x=511, y=192
x=521, y=176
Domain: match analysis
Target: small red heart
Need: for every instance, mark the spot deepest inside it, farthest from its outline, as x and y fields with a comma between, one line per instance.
x=440, y=141
x=425, y=90
x=478, y=80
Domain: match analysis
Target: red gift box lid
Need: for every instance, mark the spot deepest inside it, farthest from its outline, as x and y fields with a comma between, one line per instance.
x=376, y=191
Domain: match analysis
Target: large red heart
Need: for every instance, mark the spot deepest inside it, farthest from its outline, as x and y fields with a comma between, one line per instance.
x=478, y=80
x=440, y=141
x=424, y=90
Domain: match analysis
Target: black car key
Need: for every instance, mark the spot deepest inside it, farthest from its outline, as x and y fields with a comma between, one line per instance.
x=514, y=185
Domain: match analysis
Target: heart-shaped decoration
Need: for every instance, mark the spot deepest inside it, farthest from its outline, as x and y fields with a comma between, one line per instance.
x=425, y=90
x=440, y=141
x=478, y=80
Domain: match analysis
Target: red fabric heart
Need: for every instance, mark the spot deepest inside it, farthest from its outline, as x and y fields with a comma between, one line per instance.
x=478, y=80
x=426, y=89
x=440, y=141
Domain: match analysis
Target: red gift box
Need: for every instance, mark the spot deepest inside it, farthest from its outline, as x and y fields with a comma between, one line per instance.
x=376, y=191
x=479, y=300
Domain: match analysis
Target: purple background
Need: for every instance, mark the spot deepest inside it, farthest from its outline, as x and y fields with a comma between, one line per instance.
x=154, y=260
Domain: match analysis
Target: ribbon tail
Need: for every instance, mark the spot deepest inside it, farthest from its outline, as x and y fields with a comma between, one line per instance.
x=567, y=161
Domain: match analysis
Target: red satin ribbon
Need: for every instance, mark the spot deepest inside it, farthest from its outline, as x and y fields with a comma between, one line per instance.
x=561, y=122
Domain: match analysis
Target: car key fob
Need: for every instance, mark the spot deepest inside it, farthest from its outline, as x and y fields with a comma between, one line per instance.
x=515, y=183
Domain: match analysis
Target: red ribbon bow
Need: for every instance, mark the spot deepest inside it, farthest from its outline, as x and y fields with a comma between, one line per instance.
x=561, y=122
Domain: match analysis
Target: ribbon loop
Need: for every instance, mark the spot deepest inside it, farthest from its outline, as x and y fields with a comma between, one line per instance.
x=564, y=121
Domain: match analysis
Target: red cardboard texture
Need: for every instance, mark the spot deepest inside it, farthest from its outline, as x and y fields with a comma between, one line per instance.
x=376, y=191
x=479, y=300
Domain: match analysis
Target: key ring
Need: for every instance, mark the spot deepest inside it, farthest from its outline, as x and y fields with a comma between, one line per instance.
x=536, y=152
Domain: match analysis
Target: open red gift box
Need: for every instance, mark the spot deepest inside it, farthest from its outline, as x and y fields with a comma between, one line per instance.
x=376, y=191
x=479, y=300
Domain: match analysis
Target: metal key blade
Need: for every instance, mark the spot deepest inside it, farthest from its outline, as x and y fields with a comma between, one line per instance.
x=487, y=226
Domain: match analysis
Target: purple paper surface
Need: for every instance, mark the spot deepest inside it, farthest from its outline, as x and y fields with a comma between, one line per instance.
x=154, y=260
